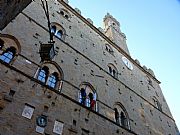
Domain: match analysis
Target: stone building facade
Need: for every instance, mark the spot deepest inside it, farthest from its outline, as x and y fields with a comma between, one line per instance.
x=92, y=86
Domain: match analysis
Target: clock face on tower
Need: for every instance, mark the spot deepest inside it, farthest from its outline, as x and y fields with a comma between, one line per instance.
x=127, y=63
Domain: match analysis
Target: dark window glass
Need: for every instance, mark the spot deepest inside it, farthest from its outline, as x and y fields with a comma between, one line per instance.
x=66, y=16
x=110, y=70
x=61, y=12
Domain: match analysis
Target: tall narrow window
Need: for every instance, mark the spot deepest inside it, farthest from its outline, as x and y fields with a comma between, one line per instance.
x=52, y=80
x=116, y=116
x=43, y=74
x=8, y=55
x=50, y=74
x=123, y=120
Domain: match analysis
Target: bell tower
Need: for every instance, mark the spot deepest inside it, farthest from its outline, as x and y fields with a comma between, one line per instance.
x=9, y=9
x=112, y=30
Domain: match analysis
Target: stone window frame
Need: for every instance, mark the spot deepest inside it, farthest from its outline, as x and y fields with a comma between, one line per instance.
x=10, y=42
x=58, y=29
x=53, y=68
x=112, y=70
x=109, y=49
x=88, y=89
x=119, y=111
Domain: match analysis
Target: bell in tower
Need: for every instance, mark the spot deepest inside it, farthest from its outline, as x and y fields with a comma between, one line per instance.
x=112, y=30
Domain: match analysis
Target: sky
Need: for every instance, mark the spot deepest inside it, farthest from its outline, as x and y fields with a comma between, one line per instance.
x=152, y=28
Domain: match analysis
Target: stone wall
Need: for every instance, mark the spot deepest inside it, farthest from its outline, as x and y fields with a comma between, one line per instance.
x=82, y=56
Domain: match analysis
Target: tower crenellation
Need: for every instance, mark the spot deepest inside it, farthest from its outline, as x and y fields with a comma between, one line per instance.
x=113, y=31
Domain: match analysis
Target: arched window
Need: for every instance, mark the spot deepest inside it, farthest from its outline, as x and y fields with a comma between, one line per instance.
x=157, y=104
x=87, y=96
x=109, y=49
x=112, y=70
x=9, y=48
x=8, y=55
x=121, y=116
x=43, y=74
x=50, y=74
x=52, y=80
x=57, y=31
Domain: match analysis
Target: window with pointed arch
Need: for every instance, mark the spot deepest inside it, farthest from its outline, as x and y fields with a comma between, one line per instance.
x=87, y=96
x=51, y=75
x=9, y=48
x=8, y=55
x=121, y=116
x=57, y=31
x=109, y=48
x=157, y=104
x=113, y=70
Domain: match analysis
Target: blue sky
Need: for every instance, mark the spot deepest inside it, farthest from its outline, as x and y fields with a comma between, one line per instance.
x=152, y=28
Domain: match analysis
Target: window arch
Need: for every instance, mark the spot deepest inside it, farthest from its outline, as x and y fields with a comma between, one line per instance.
x=9, y=48
x=50, y=74
x=88, y=96
x=109, y=49
x=121, y=116
x=58, y=31
x=113, y=70
x=157, y=104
